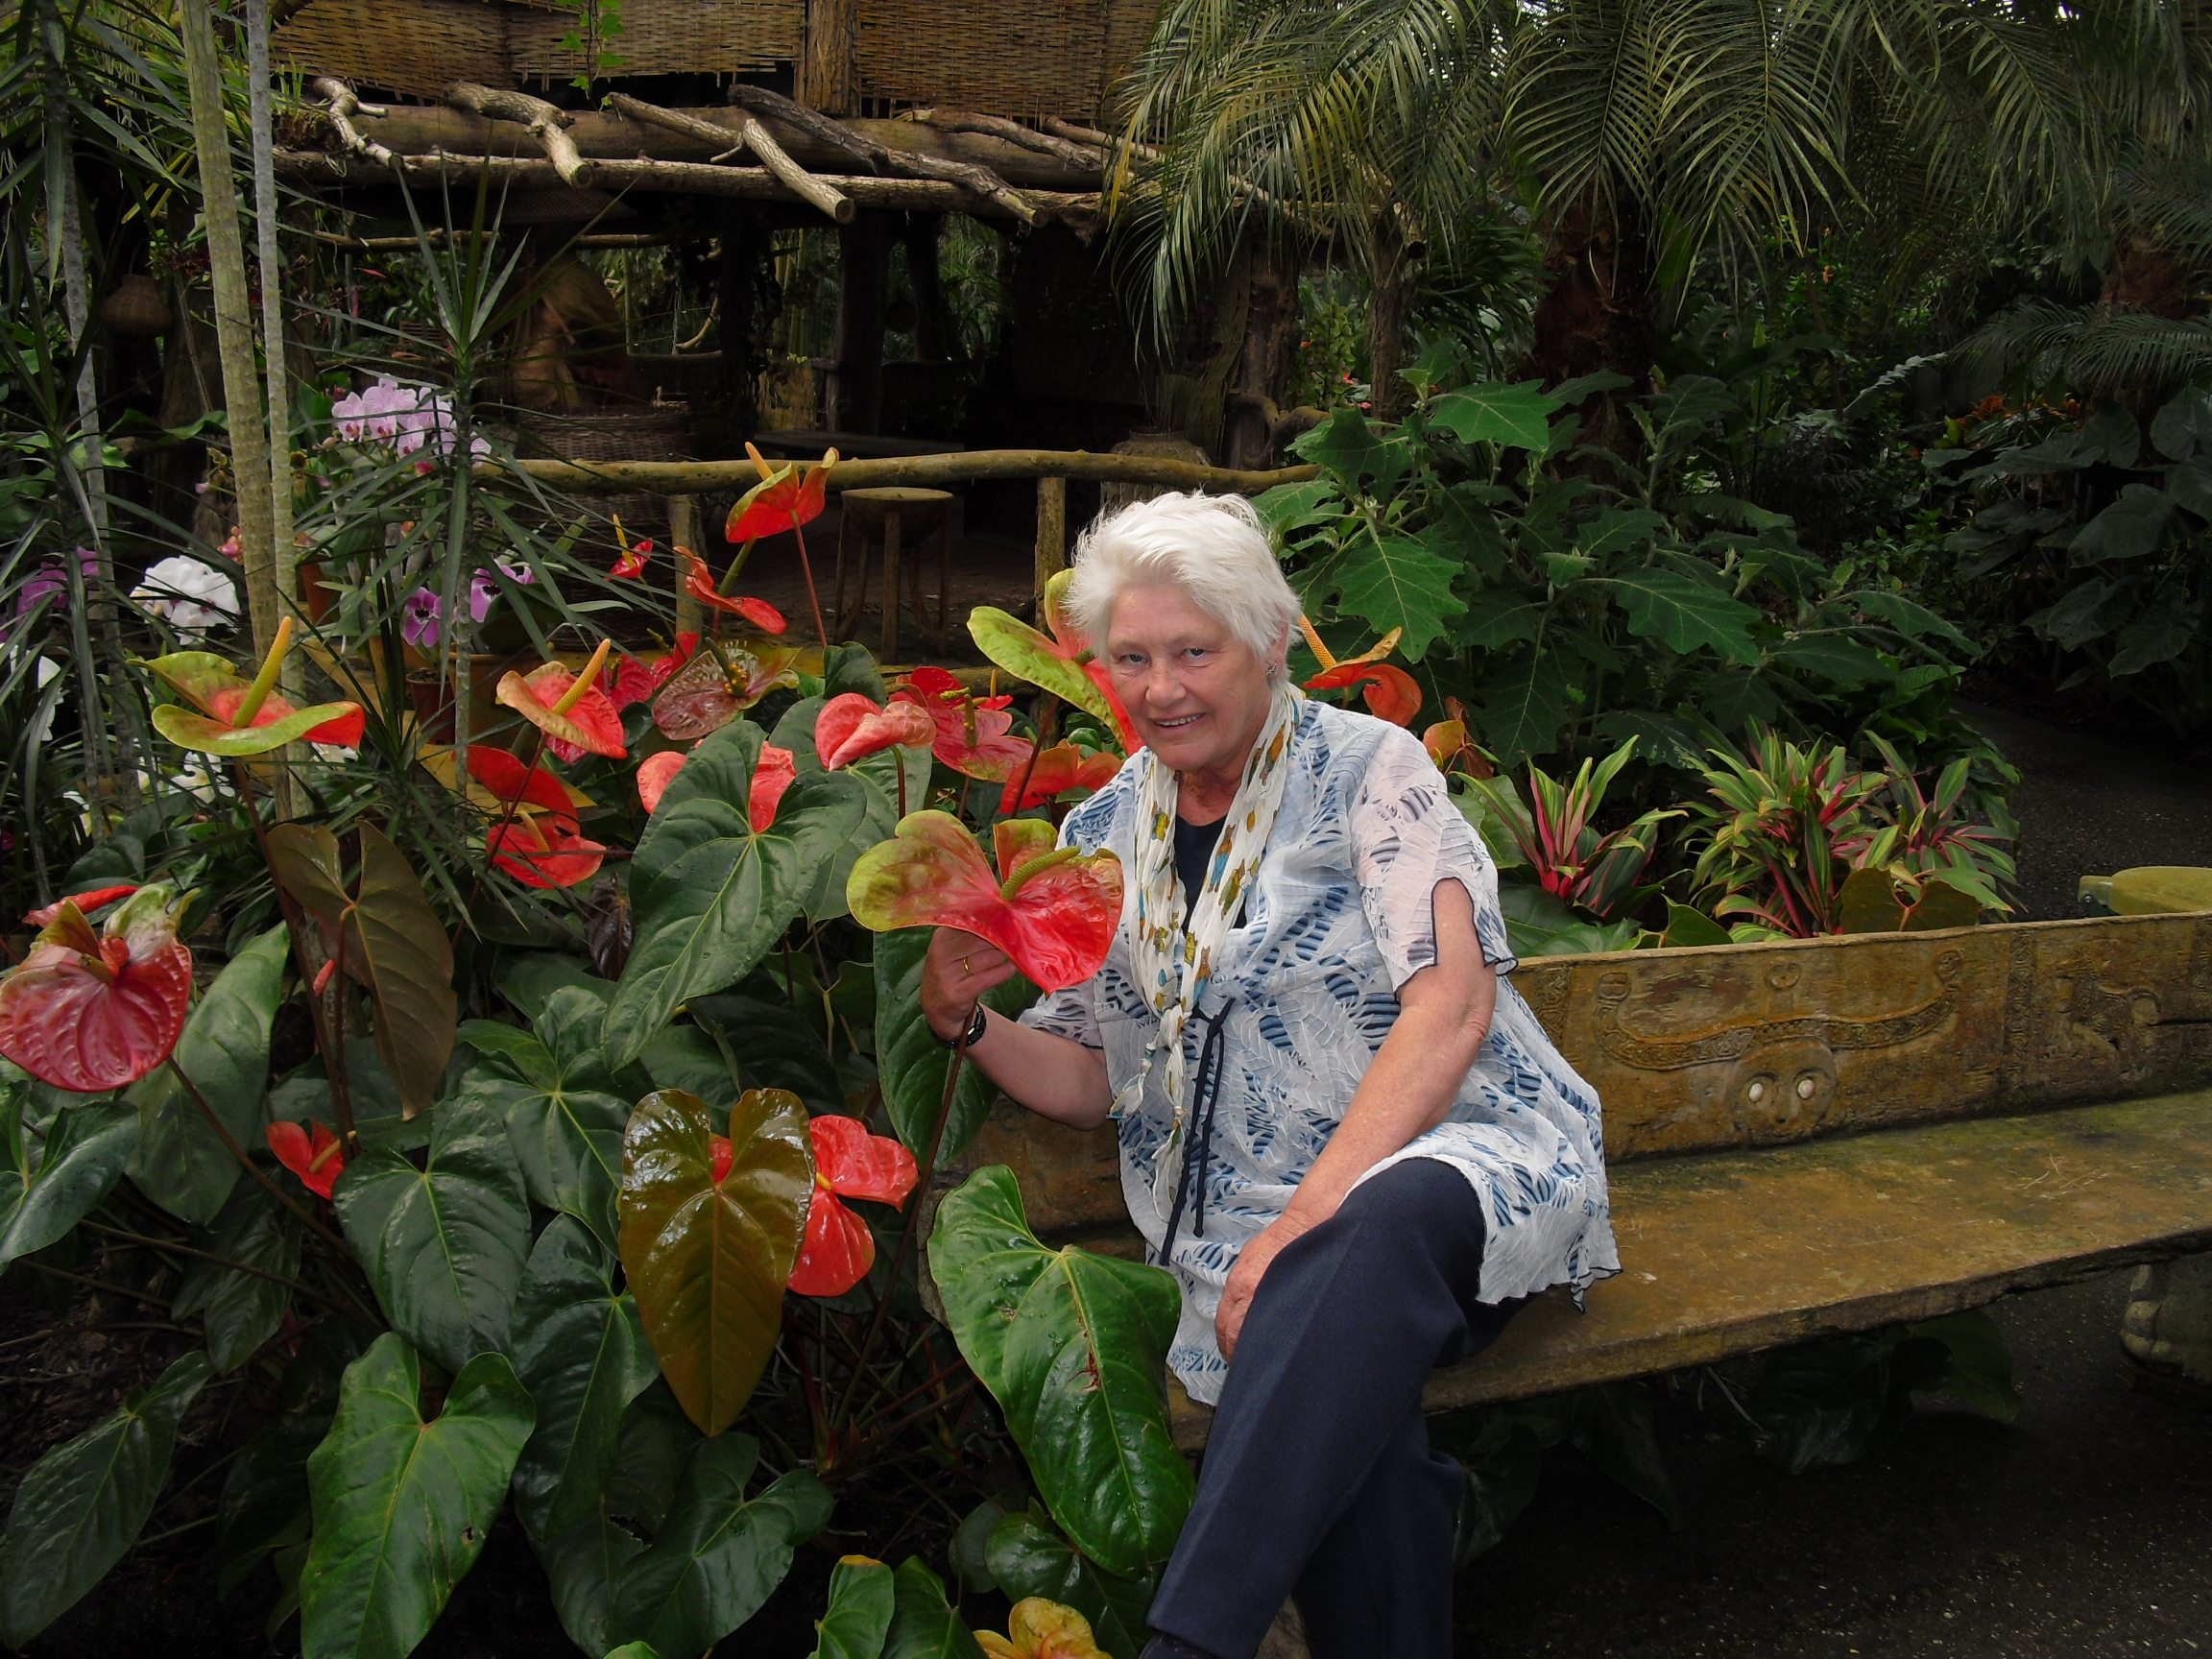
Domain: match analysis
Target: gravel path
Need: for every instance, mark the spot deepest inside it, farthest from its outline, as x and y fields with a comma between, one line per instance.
x=2081, y=1531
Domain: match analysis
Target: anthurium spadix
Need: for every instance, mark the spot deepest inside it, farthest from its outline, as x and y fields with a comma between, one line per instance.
x=89, y=1012
x=1054, y=910
x=235, y=718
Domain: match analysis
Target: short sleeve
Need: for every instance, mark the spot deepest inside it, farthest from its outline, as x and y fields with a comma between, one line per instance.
x=1408, y=837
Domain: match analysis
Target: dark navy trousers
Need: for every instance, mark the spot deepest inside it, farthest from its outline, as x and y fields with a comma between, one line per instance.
x=1319, y=1479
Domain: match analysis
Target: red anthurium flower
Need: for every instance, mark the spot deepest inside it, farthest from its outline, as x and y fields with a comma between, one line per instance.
x=777, y=770
x=1062, y=664
x=1052, y=909
x=715, y=686
x=576, y=716
x=853, y=727
x=1391, y=693
x=89, y=1012
x=86, y=902
x=502, y=773
x=700, y=584
x=654, y=775
x=318, y=1160
x=720, y=1156
x=1058, y=769
x=635, y=682
x=540, y=849
x=849, y=1163
x=972, y=731
x=208, y=684
x=634, y=553
x=785, y=498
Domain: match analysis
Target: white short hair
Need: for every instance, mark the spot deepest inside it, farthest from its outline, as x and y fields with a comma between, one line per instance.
x=1212, y=547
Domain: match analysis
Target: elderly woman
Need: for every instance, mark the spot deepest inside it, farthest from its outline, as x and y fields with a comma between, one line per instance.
x=1347, y=1136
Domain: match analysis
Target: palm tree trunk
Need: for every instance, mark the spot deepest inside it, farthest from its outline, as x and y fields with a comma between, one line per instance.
x=1387, y=303
x=1601, y=310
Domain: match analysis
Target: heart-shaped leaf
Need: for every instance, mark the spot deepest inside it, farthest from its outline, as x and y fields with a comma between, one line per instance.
x=910, y=1063
x=181, y=1164
x=240, y=1311
x=710, y=894
x=922, y=1623
x=580, y=1348
x=445, y=1244
x=403, y=1502
x=563, y=1111
x=393, y=945
x=581, y=1565
x=1072, y=1345
x=708, y=1261
x=1030, y=1558
x=654, y=1448
x=721, y=1554
x=859, y=1616
x=772, y=1045
x=1054, y=914
x=83, y=1504
x=51, y=1184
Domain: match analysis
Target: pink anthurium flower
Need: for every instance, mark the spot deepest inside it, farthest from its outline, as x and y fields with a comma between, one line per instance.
x=1058, y=769
x=699, y=583
x=654, y=775
x=1054, y=910
x=853, y=727
x=540, y=849
x=237, y=718
x=973, y=732
x=777, y=770
x=720, y=684
x=1062, y=664
x=1391, y=693
x=849, y=1163
x=89, y=1012
x=576, y=716
x=317, y=1159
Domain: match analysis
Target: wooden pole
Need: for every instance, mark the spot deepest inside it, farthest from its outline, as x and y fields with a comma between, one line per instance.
x=855, y=400
x=830, y=72
x=233, y=322
x=287, y=797
x=1051, y=534
x=684, y=530
x=925, y=471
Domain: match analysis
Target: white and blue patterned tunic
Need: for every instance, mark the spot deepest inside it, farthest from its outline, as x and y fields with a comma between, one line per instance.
x=1341, y=915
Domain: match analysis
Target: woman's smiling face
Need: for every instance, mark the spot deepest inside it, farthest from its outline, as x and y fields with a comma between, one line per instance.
x=1196, y=693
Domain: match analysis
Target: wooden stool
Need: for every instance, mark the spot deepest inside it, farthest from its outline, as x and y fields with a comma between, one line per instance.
x=897, y=519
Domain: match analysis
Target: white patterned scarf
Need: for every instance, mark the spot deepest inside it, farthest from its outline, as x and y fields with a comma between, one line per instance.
x=1173, y=951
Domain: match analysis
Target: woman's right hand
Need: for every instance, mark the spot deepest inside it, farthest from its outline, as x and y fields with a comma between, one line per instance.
x=955, y=973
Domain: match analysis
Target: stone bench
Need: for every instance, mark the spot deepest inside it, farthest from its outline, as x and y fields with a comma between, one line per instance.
x=1822, y=1135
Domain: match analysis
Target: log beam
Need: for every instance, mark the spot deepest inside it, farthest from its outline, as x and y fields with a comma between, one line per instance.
x=544, y=123
x=925, y=471
x=751, y=134
x=881, y=156
x=1060, y=149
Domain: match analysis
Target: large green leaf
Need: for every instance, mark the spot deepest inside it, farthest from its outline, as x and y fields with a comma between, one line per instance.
x=563, y=1113
x=240, y=1311
x=1073, y=1346
x=393, y=945
x=583, y=1562
x=859, y=1615
x=1685, y=613
x=1396, y=582
x=403, y=1502
x=774, y=1046
x=710, y=895
x=877, y=776
x=708, y=1261
x=582, y=1565
x=684, y=1057
x=1523, y=706
x=1347, y=446
x=580, y=1349
x=2140, y=522
x=51, y=1185
x=923, y=1624
x=180, y=1162
x=1030, y=1558
x=910, y=1062
x=2158, y=634
x=445, y=1244
x=721, y=1554
x=1517, y=416
x=83, y=1504
x=1501, y=617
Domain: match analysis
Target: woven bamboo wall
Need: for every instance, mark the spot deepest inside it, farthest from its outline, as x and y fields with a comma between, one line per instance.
x=419, y=47
x=1018, y=58
x=670, y=37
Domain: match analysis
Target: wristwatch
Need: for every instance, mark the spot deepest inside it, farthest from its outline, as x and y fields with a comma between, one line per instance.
x=966, y=1039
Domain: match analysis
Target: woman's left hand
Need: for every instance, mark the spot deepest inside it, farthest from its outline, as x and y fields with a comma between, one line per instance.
x=1244, y=1279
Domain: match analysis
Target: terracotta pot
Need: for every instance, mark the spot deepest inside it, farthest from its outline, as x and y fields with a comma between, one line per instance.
x=315, y=599
x=432, y=695
x=136, y=310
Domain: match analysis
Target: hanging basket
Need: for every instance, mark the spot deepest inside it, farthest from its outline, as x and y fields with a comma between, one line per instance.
x=136, y=310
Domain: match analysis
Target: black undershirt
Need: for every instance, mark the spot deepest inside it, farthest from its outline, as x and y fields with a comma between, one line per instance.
x=1194, y=845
